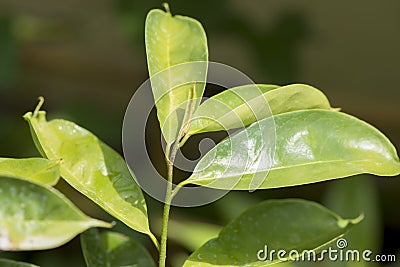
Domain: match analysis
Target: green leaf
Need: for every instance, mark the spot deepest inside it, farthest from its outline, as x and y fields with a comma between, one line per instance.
x=36, y=170
x=110, y=249
x=34, y=216
x=310, y=146
x=92, y=168
x=10, y=263
x=240, y=106
x=278, y=224
x=171, y=41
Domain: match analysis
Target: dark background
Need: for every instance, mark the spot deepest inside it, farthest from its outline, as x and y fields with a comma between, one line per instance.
x=87, y=58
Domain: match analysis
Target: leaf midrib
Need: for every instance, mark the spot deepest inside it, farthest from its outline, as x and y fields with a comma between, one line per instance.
x=282, y=167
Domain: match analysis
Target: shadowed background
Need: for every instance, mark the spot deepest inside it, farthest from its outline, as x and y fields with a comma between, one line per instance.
x=87, y=58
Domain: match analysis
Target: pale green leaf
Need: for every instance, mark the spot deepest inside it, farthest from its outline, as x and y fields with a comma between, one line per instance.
x=240, y=106
x=92, y=168
x=34, y=216
x=171, y=41
x=111, y=249
x=11, y=263
x=37, y=170
x=290, y=224
x=310, y=146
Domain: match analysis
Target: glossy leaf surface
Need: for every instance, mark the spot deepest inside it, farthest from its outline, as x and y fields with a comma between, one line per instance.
x=37, y=170
x=171, y=41
x=240, y=106
x=11, y=263
x=278, y=224
x=110, y=249
x=92, y=168
x=311, y=146
x=34, y=217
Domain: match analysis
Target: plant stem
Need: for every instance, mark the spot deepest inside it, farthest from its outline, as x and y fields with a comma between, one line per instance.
x=164, y=231
x=170, y=158
x=167, y=206
x=154, y=240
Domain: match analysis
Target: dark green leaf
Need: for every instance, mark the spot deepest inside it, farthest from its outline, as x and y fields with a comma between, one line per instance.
x=110, y=249
x=91, y=167
x=37, y=170
x=34, y=217
x=170, y=41
x=278, y=224
x=240, y=106
x=310, y=146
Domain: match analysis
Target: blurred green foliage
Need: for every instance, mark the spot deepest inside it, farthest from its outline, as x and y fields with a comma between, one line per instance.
x=87, y=58
x=8, y=54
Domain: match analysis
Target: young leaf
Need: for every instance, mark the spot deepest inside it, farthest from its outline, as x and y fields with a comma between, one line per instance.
x=171, y=41
x=92, y=168
x=38, y=170
x=34, y=217
x=278, y=224
x=110, y=249
x=10, y=263
x=310, y=146
x=240, y=106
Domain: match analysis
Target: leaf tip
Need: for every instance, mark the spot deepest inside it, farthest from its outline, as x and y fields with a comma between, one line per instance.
x=357, y=219
x=166, y=7
x=102, y=224
x=39, y=105
x=27, y=116
x=343, y=223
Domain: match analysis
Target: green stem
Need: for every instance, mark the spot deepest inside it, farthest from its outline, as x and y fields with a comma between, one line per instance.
x=183, y=140
x=170, y=158
x=154, y=240
x=167, y=206
x=187, y=119
x=175, y=191
x=164, y=231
